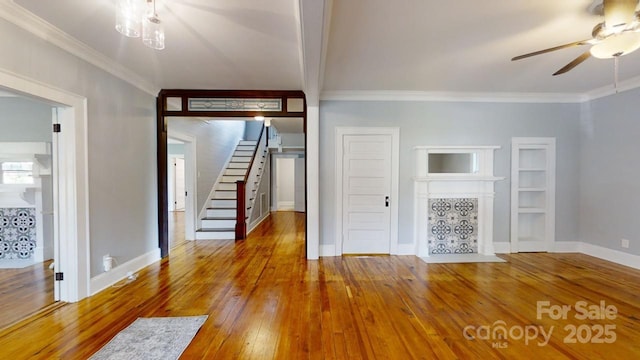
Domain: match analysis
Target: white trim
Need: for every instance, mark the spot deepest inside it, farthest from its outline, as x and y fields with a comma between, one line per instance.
x=26, y=20
x=190, y=182
x=327, y=250
x=313, y=182
x=106, y=279
x=171, y=176
x=313, y=18
x=444, y=96
x=299, y=30
x=608, y=90
x=502, y=247
x=285, y=206
x=615, y=256
x=547, y=168
x=340, y=132
x=73, y=185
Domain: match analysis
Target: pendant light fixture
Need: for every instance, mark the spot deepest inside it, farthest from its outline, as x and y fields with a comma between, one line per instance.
x=128, y=17
x=134, y=20
x=152, y=30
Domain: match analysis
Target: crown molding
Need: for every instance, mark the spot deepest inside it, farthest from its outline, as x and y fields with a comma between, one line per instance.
x=446, y=96
x=611, y=89
x=26, y=20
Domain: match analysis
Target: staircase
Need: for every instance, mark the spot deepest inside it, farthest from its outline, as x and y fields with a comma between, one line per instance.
x=220, y=218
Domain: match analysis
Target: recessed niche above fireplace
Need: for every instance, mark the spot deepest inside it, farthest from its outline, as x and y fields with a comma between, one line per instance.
x=454, y=191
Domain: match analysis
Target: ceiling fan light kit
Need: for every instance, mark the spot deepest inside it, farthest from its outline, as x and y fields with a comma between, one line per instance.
x=139, y=17
x=618, y=35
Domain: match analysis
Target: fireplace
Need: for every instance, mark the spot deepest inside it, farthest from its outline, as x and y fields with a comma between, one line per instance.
x=454, y=192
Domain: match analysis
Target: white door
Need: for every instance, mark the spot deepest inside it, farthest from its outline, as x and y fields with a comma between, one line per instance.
x=366, y=189
x=285, y=184
x=179, y=194
x=299, y=204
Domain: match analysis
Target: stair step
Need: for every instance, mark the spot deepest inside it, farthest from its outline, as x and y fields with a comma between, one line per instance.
x=241, y=172
x=238, y=165
x=241, y=159
x=224, y=194
x=226, y=186
x=243, y=153
x=248, y=142
x=218, y=223
x=245, y=148
x=224, y=203
x=231, y=178
x=216, y=234
x=221, y=213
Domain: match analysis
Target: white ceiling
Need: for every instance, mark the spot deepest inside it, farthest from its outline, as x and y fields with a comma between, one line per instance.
x=461, y=46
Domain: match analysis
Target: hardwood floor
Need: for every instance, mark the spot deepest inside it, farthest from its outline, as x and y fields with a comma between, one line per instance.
x=265, y=301
x=24, y=292
x=176, y=228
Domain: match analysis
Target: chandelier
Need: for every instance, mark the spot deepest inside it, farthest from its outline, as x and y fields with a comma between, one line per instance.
x=138, y=17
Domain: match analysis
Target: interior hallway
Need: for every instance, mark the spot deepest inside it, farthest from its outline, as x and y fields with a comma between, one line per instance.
x=265, y=300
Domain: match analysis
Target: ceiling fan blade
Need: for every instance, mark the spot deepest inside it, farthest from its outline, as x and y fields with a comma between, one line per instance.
x=618, y=12
x=560, y=47
x=577, y=61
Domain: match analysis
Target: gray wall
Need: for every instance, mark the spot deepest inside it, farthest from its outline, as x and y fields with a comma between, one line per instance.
x=252, y=130
x=121, y=126
x=609, y=190
x=450, y=123
x=292, y=139
x=215, y=142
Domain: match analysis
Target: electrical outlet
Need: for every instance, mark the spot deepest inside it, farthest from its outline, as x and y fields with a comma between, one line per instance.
x=624, y=243
x=107, y=262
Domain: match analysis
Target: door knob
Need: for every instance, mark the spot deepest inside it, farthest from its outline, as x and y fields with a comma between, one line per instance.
x=386, y=201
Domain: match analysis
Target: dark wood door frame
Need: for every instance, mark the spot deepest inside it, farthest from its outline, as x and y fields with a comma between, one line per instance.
x=215, y=103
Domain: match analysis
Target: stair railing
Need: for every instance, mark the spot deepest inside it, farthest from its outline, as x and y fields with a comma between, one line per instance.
x=247, y=188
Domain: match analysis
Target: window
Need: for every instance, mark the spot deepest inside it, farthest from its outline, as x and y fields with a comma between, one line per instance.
x=17, y=172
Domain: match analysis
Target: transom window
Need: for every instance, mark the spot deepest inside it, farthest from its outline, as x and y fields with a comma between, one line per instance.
x=17, y=172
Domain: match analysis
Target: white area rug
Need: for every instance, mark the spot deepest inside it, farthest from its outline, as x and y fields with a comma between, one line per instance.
x=15, y=263
x=152, y=338
x=460, y=258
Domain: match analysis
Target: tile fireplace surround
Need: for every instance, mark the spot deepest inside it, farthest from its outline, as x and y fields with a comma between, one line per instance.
x=454, y=203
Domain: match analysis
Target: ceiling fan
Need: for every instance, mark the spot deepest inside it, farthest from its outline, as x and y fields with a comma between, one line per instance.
x=618, y=35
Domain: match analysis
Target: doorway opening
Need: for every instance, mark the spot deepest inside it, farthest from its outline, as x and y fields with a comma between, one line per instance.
x=58, y=170
x=177, y=191
x=203, y=106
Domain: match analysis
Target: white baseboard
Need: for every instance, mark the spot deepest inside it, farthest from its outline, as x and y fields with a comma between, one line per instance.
x=327, y=250
x=502, y=247
x=406, y=249
x=615, y=256
x=104, y=280
x=286, y=206
x=257, y=222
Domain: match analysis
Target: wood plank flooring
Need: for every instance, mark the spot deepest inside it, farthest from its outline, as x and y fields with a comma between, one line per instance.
x=265, y=301
x=24, y=292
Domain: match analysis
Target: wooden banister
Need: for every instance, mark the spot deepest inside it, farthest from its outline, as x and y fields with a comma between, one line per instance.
x=241, y=210
x=241, y=191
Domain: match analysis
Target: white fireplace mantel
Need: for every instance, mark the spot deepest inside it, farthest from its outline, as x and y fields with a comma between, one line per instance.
x=474, y=180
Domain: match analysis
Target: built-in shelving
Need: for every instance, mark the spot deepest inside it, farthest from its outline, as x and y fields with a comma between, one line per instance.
x=532, y=194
